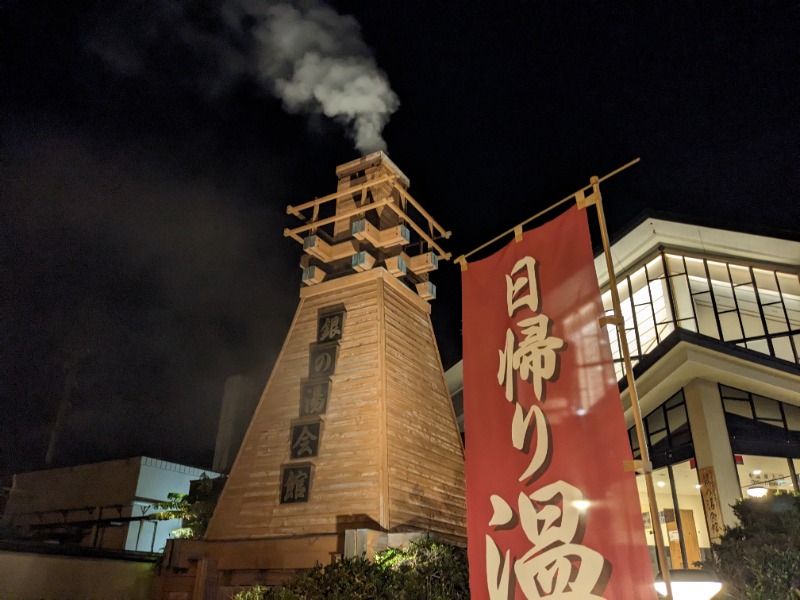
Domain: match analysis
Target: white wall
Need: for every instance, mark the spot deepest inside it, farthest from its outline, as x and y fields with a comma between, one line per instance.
x=157, y=479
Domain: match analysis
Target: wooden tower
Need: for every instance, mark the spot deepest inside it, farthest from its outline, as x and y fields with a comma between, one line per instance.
x=355, y=429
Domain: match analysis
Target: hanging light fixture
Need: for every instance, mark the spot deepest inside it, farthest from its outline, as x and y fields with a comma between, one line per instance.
x=690, y=584
x=757, y=491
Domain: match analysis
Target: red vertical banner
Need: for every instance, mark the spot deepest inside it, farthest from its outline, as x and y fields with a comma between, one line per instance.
x=551, y=513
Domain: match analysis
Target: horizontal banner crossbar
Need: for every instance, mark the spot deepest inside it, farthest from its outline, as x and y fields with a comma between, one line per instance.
x=463, y=258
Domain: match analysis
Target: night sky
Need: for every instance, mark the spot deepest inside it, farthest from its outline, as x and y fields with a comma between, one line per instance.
x=148, y=151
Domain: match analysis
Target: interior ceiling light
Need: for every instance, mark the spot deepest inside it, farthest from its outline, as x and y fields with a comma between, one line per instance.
x=757, y=491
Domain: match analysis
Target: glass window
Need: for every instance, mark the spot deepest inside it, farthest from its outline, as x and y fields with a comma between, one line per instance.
x=706, y=318
x=675, y=264
x=675, y=400
x=740, y=275
x=767, y=409
x=754, y=308
x=656, y=436
x=656, y=421
x=731, y=325
x=666, y=510
x=718, y=271
x=763, y=475
x=761, y=346
x=743, y=408
x=676, y=418
x=792, y=414
x=683, y=300
x=790, y=295
x=761, y=426
x=783, y=348
x=696, y=271
x=667, y=429
x=751, y=321
x=796, y=465
x=655, y=269
x=683, y=526
x=775, y=318
x=767, y=284
x=721, y=286
x=746, y=297
x=729, y=392
x=638, y=280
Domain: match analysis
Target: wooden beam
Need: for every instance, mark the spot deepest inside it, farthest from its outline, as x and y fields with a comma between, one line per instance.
x=442, y=254
x=340, y=217
x=422, y=263
x=446, y=234
x=385, y=238
x=292, y=234
x=296, y=210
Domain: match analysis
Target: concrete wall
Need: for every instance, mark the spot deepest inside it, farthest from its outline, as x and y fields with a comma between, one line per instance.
x=27, y=576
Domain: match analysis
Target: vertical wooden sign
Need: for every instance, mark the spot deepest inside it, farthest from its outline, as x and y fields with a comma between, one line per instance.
x=710, y=493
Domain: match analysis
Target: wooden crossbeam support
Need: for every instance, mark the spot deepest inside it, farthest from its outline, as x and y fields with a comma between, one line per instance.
x=297, y=210
x=394, y=236
x=326, y=252
x=343, y=250
x=423, y=263
x=611, y=320
x=442, y=254
x=640, y=466
x=426, y=290
x=336, y=218
x=431, y=221
x=291, y=234
x=396, y=265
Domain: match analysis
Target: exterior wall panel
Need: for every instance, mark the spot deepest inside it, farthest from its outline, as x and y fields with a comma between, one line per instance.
x=390, y=454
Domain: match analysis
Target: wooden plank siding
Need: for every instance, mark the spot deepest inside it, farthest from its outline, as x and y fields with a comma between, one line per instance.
x=390, y=456
x=426, y=459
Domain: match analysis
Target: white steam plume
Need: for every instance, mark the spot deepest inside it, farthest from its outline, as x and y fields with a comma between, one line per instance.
x=315, y=61
x=301, y=51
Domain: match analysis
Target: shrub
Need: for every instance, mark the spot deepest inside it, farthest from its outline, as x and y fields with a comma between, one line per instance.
x=760, y=558
x=195, y=508
x=426, y=570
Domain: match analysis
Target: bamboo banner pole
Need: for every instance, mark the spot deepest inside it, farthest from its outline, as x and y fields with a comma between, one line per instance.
x=637, y=413
x=516, y=230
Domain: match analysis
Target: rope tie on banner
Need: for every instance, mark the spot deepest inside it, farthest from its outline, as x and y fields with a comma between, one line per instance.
x=581, y=197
